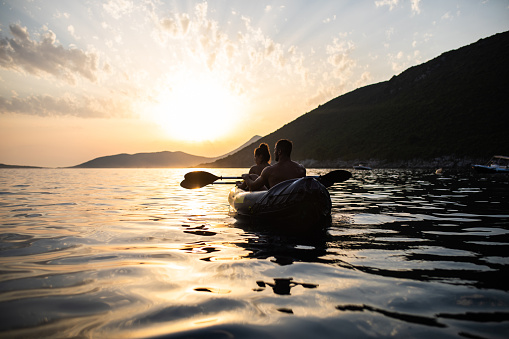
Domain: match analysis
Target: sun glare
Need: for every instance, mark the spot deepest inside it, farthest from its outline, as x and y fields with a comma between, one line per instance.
x=197, y=110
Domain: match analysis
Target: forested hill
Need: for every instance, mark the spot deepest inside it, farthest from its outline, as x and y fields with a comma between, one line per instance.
x=455, y=106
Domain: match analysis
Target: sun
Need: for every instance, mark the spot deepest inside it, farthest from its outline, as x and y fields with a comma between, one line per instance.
x=197, y=109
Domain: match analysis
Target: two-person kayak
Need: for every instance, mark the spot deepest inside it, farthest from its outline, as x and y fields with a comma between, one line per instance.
x=292, y=205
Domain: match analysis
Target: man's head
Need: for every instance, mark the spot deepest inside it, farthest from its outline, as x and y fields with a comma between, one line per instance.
x=283, y=147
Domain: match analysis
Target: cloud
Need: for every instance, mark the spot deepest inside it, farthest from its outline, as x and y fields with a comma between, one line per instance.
x=20, y=53
x=72, y=31
x=118, y=8
x=243, y=52
x=389, y=33
x=401, y=61
x=365, y=78
x=84, y=107
x=394, y=3
x=415, y=7
x=337, y=79
x=326, y=21
x=339, y=57
x=447, y=16
x=391, y=3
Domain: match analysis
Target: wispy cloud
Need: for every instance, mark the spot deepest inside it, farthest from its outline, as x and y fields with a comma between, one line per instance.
x=416, y=9
x=447, y=16
x=118, y=8
x=390, y=3
x=67, y=105
x=43, y=57
x=339, y=57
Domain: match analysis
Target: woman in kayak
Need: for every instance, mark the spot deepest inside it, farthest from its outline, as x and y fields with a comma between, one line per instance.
x=262, y=159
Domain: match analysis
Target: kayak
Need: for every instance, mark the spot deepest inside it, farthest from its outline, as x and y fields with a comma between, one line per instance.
x=293, y=205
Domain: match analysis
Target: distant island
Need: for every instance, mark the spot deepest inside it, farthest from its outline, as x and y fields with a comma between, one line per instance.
x=17, y=166
x=144, y=160
x=163, y=159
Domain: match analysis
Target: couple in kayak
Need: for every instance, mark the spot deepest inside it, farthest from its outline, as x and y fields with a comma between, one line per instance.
x=263, y=175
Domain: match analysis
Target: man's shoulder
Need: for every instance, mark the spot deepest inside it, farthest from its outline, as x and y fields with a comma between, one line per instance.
x=269, y=169
x=297, y=165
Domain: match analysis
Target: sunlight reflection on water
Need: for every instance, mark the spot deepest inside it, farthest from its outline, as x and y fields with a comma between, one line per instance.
x=129, y=253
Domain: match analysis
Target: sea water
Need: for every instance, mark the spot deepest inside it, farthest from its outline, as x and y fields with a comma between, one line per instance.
x=128, y=253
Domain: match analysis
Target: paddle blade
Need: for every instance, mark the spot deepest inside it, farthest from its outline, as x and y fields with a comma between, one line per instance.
x=333, y=177
x=198, y=179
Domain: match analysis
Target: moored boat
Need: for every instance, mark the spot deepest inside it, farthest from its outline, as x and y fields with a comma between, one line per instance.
x=362, y=167
x=294, y=205
x=497, y=164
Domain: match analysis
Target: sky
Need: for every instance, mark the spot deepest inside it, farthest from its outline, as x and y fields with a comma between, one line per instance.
x=83, y=79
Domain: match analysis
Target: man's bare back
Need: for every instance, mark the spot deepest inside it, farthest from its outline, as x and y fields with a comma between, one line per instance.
x=284, y=169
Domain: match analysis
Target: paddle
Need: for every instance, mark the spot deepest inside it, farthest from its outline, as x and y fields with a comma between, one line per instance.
x=198, y=179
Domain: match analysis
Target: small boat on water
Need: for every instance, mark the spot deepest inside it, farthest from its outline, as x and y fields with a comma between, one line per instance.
x=294, y=205
x=497, y=164
x=362, y=167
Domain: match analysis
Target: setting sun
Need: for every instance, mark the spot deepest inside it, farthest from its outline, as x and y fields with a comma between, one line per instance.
x=119, y=76
x=197, y=109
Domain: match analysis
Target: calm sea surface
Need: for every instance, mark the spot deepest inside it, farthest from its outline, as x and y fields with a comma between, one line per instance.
x=123, y=253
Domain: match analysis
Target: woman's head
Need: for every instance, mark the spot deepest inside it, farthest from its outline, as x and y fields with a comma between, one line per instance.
x=262, y=152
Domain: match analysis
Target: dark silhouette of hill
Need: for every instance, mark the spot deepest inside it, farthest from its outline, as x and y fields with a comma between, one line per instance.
x=453, y=107
x=17, y=166
x=145, y=160
x=155, y=159
x=247, y=143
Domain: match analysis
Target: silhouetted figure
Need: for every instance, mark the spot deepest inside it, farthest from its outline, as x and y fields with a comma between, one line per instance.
x=262, y=159
x=284, y=169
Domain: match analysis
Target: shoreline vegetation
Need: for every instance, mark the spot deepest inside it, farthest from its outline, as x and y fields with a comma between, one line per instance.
x=448, y=112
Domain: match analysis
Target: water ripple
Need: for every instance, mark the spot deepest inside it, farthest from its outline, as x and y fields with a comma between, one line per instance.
x=128, y=253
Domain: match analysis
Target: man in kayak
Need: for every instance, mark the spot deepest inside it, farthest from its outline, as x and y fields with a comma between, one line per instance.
x=284, y=169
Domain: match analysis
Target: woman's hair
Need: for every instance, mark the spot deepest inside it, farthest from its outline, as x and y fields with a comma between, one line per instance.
x=263, y=150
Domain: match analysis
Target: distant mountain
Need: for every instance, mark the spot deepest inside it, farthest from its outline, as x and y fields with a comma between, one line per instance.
x=453, y=107
x=17, y=166
x=247, y=143
x=154, y=160
x=145, y=160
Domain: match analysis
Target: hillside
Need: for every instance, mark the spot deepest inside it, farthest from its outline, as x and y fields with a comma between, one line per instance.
x=145, y=160
x=450, y=108
x=16, y=166
x=247, y=143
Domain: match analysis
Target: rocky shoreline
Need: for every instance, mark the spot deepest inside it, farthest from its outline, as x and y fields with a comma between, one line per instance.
x=450, y=162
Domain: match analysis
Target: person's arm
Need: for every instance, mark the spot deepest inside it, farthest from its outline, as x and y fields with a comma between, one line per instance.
x=257, y=184
x=242, y=185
